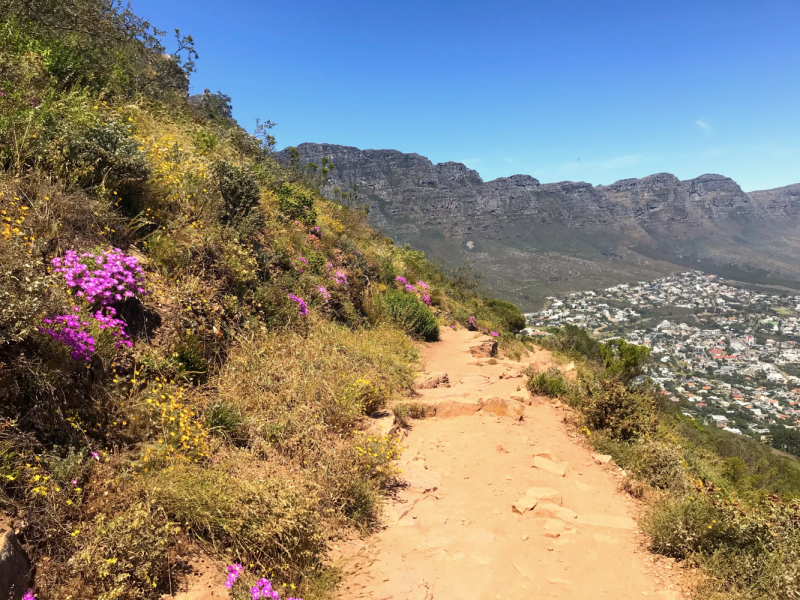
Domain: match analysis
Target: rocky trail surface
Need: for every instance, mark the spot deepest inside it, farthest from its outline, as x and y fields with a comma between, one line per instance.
x=500, y=499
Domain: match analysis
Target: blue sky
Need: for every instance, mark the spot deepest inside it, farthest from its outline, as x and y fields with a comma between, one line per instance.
x=560, y=90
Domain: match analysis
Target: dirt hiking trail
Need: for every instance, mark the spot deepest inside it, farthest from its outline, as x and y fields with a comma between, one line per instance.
x=501, y=499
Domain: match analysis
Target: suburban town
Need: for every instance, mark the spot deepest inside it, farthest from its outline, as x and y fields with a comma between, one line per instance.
x=727, y=355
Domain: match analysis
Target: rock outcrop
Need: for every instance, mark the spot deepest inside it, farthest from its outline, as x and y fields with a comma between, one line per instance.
x=15, y=567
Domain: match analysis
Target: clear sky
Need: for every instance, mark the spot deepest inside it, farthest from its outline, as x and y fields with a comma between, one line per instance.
x=584, y=90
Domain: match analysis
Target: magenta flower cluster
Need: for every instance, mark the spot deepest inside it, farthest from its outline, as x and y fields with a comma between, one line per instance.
x=233, y=574
x=423, y=285
x=302, y=307
x=102, y=279
x=263, y=589
x=401, y=280
x=326, y=295
x=71, y=331
x=473, y=322
x=426, y=299
x=105, y=278
x=410, y=288
x=29, y=595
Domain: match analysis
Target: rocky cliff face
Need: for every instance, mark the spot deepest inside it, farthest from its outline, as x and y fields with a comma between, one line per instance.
x=405, y=185
x=708, y=220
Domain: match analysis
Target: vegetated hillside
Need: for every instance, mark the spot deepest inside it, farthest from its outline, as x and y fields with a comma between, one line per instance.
x=531, y=239
x=715, y=500
x=191, y=337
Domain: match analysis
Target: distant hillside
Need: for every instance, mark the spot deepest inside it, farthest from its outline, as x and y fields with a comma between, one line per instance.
x=532, y=239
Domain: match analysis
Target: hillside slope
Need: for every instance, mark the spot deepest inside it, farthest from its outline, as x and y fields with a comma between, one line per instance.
x=192, y=339
x=522, y=234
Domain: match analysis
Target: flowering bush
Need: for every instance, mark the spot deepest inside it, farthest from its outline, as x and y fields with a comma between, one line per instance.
x=262, y=589
x=179, y=433
x=302, y=307
x=233, y=574
x=71, y=331
x=104, y=278
x=324, y=293
x=401, y=280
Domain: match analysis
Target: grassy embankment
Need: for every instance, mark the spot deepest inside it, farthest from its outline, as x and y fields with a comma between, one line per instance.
x=721, y=502
x=204, y=388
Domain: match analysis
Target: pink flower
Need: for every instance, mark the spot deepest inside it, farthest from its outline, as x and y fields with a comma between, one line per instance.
x=233, y=574
x=423, y=285
x=401, y=280
x=324, y=293
x=494, y=333
x=302, y=307
x=96, y=456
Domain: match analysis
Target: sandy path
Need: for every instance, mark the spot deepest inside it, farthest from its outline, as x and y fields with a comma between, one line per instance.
x=452, y=533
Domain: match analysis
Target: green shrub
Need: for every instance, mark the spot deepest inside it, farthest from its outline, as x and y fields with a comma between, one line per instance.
x=404, y=411
x=623, y=361
x=297, y=203
x=239, y=189
x=225, y=419
x=127, y=555
x=263, y=518
x=573, y=342
x=408, y=312
x=189, y=354
x=657, y=463
x=624, y=415
x=508, y=314
x=550, y=383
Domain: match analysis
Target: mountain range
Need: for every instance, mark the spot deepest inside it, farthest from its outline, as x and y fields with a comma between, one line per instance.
x=531, y=239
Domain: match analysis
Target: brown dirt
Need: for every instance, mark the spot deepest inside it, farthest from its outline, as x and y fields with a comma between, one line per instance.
x=451, y=533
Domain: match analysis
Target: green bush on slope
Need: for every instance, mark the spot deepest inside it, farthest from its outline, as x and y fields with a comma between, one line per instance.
x=410, y=314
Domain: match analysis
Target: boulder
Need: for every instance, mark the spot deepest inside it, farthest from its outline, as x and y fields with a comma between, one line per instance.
x=544, y=494
x=545, y=454
x=503, y=408
x=524, y=504
x=434, y=380
x=485, y=349
x=535, y=495
x=601, y=459
x=548, y=510
x=15, y=567
x=456, y=409
x=548, y=465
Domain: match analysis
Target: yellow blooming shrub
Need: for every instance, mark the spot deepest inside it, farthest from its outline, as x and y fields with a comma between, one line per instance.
x=177, y=432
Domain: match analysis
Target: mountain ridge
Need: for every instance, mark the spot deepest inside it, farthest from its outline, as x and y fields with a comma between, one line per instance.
x=658, y=222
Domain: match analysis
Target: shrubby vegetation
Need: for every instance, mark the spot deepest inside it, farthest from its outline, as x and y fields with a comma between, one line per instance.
x=191, y=337
x=719, y=501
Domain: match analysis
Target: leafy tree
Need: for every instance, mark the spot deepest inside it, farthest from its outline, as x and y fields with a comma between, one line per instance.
x=623, y=361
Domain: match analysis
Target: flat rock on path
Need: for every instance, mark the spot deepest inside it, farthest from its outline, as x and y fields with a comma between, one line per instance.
x=475, y=522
